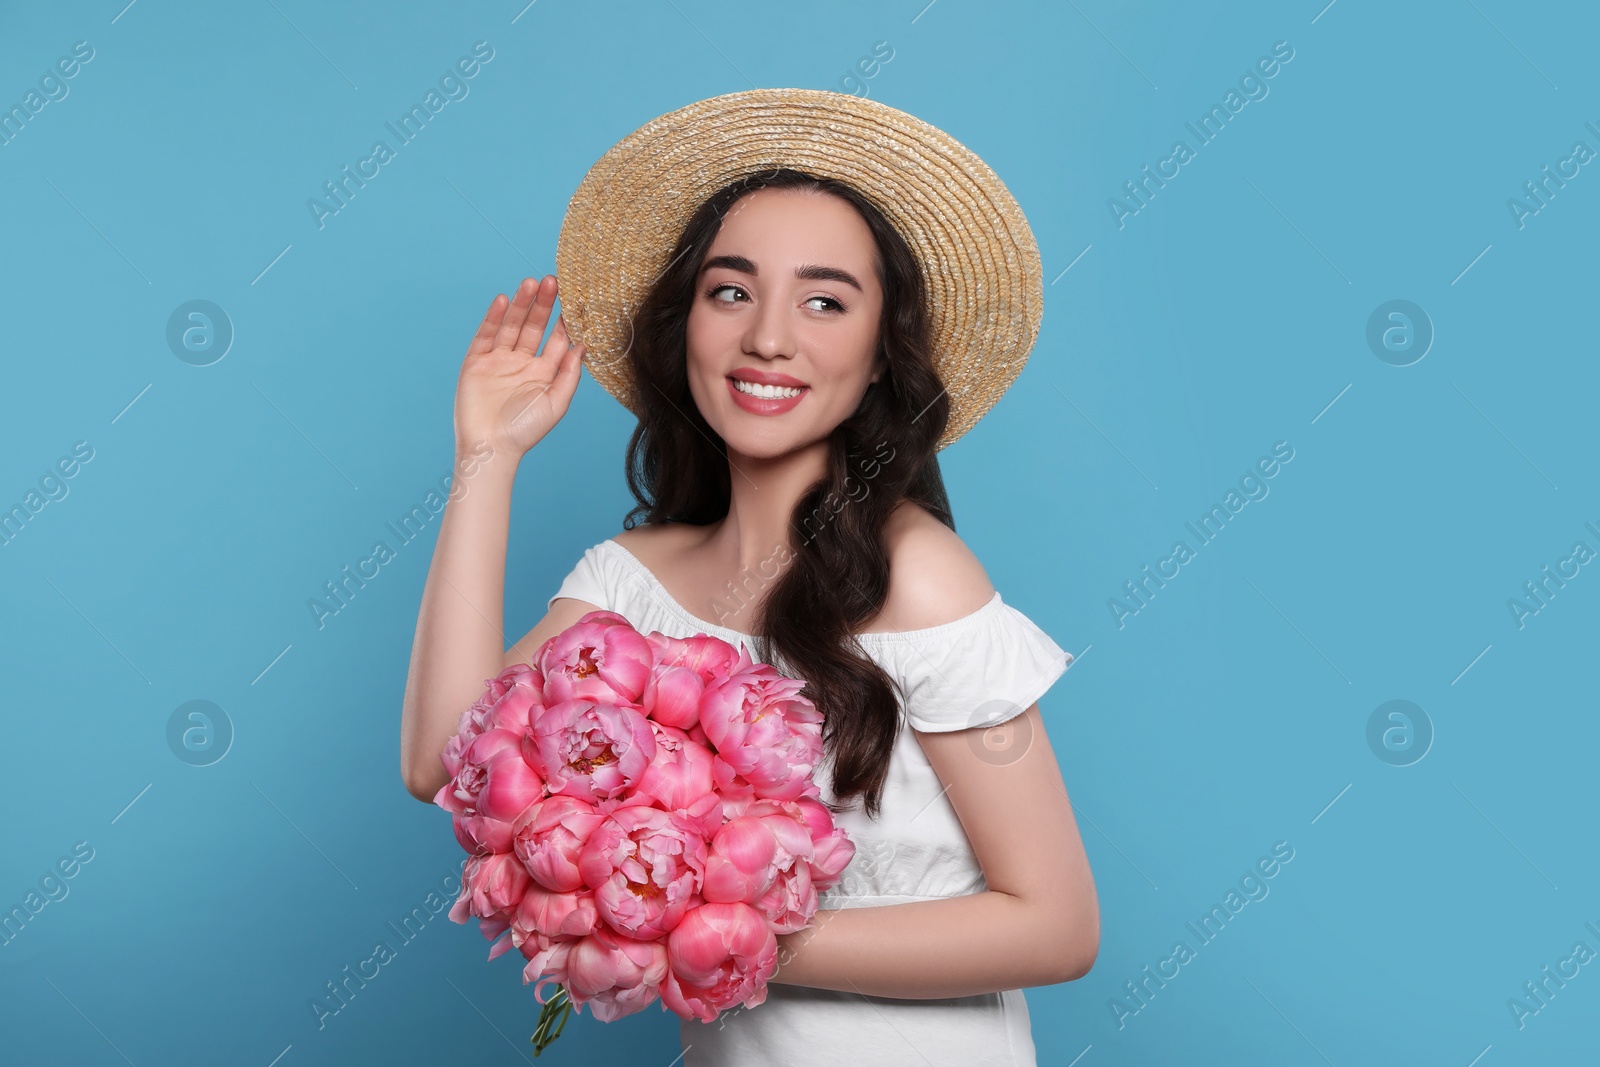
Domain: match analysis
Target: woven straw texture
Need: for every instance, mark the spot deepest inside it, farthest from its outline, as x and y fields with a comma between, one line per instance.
x=978, y=254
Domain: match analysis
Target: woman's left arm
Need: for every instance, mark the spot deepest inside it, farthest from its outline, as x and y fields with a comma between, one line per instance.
x=1038, y=923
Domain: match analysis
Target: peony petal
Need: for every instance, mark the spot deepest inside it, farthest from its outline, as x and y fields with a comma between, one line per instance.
x=675, y=700
x=511, y=787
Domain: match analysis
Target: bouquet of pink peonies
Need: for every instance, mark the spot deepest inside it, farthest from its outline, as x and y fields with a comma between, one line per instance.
x=641, y=820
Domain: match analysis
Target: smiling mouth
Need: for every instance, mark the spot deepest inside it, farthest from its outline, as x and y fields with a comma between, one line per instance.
x=767, y=392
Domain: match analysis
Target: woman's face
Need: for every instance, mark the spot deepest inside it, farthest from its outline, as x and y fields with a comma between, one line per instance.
x=788, y=294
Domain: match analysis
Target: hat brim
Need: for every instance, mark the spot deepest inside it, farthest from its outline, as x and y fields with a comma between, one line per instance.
x=979, y=258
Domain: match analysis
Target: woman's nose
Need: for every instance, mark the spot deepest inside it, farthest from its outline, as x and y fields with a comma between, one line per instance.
x=770, y=334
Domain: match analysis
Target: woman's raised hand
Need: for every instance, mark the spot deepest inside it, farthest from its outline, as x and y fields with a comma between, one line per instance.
x=508, y=394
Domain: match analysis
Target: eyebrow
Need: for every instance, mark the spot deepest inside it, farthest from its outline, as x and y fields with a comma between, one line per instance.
x=806, y=270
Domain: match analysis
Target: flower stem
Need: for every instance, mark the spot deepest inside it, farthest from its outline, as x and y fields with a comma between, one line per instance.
x=554, y=1013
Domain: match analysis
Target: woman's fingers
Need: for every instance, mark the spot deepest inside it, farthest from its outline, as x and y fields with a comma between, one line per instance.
x=544, y=299
x=519, y=322
x=483, y=340
x=516, y=314
x=559, y=344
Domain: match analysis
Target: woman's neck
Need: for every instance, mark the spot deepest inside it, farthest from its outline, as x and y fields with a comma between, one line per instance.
x=756, y=534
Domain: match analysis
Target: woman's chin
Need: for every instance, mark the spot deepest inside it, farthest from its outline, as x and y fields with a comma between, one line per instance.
x=759, y=446
x=763, y=443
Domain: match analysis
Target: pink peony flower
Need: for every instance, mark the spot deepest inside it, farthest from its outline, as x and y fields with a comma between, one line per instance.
x=720, y=955
x=483, y=815
x=556, y=915
x=590, y=750
x=547, y=960
x=764, y=858
x=477, y=834
x=641, y=819
x=491, y=888
x=510, y=786
x=710, y=658
x=833, y=849
x=599, y=658
x=549, y=842
x=517, y=674
x=791, y=902
x=673, y=697
x=457, y=745
x=645, y=866
x=477, y=719
x=614, y=975
x=679, y=778
x=767, y=737
x=741, y=861
x=519, y=706
x=480, y=835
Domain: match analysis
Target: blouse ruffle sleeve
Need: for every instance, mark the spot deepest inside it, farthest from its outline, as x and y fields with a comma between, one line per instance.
x=590, y=581
x=978, y=671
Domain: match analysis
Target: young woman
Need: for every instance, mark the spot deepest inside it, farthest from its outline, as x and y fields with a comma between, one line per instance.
x=796, y=357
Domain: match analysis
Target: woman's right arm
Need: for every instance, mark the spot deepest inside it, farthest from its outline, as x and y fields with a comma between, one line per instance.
x=507, y=399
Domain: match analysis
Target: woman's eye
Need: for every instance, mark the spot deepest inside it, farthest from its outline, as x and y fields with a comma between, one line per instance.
x=714, y=291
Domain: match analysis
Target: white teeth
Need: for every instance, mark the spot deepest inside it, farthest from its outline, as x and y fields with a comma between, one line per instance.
x=766, y=392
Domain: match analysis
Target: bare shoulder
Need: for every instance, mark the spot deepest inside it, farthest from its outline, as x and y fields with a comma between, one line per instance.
x=639, y=536
x=933, y=576
x=654, y=542
x=636, y=537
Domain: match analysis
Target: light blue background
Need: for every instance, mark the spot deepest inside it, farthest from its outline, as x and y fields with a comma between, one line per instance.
x=1228, y=314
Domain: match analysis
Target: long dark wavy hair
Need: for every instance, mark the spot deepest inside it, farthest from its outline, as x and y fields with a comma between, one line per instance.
x=883, y=454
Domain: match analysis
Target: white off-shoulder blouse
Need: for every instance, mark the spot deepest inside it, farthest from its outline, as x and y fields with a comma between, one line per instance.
x=975, y=672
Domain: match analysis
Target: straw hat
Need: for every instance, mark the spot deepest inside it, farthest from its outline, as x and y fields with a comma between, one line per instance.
x=979, y=259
